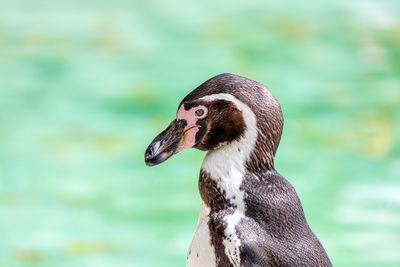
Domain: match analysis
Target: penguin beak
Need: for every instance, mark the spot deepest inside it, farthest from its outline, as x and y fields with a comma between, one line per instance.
x=167, y=143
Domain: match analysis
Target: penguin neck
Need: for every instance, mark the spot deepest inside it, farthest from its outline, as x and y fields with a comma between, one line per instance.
x=226, y=169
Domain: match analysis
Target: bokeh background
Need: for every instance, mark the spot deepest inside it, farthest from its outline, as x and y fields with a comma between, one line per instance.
x=86, y=85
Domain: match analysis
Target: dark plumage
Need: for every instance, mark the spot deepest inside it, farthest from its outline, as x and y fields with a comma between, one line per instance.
x=251, y=215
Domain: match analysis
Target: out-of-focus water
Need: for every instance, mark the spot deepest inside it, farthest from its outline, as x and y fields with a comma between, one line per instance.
x=84, y=88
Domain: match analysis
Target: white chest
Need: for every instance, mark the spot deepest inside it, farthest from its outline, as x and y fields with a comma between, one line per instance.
x=201, y=252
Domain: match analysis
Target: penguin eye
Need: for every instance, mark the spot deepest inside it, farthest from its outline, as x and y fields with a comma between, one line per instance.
x=201, y=112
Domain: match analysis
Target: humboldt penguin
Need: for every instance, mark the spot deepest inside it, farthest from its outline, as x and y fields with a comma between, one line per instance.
x=251, y=215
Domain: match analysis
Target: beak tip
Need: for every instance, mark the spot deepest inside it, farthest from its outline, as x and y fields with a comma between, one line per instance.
x=149, y=162
x=149, y=159
x=154, y=159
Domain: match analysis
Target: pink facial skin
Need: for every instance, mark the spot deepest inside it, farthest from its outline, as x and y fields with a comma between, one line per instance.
x=191, y=128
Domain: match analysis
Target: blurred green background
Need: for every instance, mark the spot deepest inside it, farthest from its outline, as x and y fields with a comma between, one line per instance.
x=86, y=85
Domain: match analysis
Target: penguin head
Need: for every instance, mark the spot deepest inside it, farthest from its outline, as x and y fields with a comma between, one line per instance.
x=223, y=110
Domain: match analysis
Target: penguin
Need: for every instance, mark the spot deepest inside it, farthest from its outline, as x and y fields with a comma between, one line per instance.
x=251, y=215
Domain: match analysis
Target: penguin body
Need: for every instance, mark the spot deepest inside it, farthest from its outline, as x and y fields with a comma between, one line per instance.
x=251, y=215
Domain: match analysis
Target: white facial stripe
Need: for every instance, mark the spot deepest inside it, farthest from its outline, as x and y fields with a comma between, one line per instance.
x=226, y=165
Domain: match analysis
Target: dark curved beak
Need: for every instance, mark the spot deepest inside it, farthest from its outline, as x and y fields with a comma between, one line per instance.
x=166, y=144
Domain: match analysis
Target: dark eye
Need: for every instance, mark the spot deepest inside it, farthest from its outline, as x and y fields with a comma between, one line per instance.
x=199, y=112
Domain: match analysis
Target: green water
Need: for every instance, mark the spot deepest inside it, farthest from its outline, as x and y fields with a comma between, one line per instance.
x=86, y=85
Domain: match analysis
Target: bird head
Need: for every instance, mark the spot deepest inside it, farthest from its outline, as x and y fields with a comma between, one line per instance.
x=225, y=109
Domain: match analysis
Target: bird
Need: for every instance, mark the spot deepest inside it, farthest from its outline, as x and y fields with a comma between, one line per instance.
x=250, y=215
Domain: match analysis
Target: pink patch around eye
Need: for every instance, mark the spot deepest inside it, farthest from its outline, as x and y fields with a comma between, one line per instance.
x=186, y=115
x=191, y=127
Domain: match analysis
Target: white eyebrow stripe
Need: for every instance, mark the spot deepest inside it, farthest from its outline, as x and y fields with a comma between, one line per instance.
x=248, y=141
